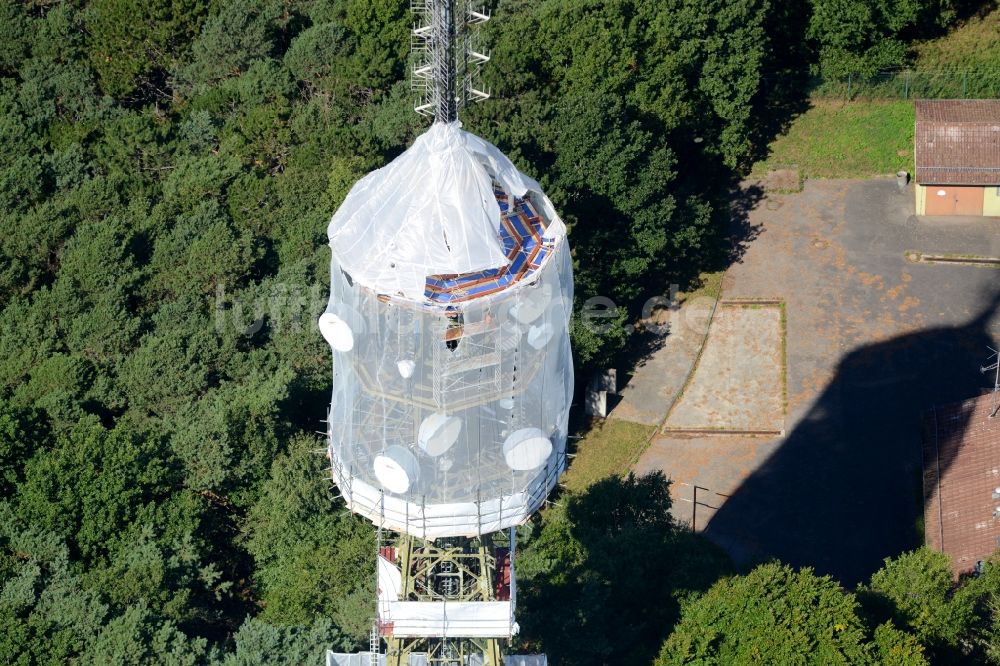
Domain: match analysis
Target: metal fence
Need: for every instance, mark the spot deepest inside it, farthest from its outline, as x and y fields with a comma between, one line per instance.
x=909, y=84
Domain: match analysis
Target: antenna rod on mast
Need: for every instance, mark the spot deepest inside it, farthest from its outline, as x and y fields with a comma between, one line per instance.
x=443, y=43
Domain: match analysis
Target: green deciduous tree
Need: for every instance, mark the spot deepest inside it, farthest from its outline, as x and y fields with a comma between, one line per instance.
x=313, y=557
x=601, y=581
x=231, y=39
x=130, y=40
x=861, y=37
x=201, y=252
x=48, y=614
x=380, y=28
x=22, y=430
x=917, y=592
x=138, y=637
x=91, y=486
x=778, y=615
x=45, y=616
x=14, y=26
x=259, y=643
x=318, y=55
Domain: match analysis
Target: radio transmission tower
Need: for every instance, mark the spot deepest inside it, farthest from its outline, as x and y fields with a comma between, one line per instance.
x=451, y=295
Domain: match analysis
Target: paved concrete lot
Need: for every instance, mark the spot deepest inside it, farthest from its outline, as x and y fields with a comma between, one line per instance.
x=872, y=341
x=658, y=378
x=717, y=464
x=738, y=383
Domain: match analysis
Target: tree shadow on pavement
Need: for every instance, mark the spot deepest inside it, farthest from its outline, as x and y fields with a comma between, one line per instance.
x=843, y=490
x=645, y=341
x=745, y=198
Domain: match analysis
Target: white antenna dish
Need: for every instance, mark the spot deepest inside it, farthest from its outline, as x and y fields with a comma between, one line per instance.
x=527, y=449
x=438, y=432
x=396, y=469
x=539, y=336
x=406, y=368
x=336, y=331
x=533, y=305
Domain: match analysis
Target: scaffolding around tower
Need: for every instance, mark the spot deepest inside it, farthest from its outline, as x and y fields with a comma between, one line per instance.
x=451, y=295
x=446, y=600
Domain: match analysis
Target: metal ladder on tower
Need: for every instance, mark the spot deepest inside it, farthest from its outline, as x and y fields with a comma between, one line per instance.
x=374, y=645
x=374, y=639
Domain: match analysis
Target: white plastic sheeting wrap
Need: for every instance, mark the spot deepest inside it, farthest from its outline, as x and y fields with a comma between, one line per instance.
x=390, y=581
x=430, y=211
x=447, y=619
x=355, y=659
x=451, y=292
x=364, y=659
x=443, y=619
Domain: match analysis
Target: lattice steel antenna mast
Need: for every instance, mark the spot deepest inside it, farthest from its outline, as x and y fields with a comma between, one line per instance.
x=446, y=58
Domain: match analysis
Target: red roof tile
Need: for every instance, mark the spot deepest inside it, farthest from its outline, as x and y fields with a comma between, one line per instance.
x=957, y=141
x=961, y=457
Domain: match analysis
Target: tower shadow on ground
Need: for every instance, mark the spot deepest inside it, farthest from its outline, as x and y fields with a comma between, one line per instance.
x=843, y=490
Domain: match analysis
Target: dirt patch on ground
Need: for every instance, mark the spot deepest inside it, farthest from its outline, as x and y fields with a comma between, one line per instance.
x=738, y=384
x=783, y=180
